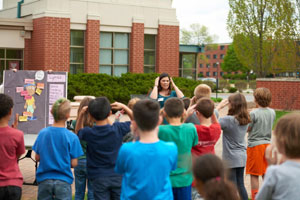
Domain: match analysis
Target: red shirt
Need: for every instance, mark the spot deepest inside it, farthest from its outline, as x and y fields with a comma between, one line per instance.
x=207, y=138
x=11, y=147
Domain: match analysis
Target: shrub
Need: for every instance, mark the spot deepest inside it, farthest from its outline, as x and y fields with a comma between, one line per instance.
x=211, y=84
x=232, y=90
x=241, y=85
x=216, y=100
x=120, y=88
x=252, y=85
x=223, y=84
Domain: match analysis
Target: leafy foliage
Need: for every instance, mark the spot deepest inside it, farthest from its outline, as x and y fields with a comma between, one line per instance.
x=120, y=88
x=232, y=63
x=240, y=85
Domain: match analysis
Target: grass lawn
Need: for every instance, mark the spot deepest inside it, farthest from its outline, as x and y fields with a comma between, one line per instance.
x=278, y=115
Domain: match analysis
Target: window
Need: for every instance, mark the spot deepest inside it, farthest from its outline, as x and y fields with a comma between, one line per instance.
x=201, y=65
x=215, y=56
x=77, y=52
x=207, y=65
x=114, y=53
x=188, y=65
x=221, y=73
x=10, y=59
x=214, y=73
x=207, y=73
x=215, y=65
x=222, y=47
x=208, y=56
x=149, y=54
x=222, y=56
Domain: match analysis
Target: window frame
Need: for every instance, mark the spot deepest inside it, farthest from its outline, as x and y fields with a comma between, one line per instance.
x=78, y=47
x=150, y=50
x=112, y=49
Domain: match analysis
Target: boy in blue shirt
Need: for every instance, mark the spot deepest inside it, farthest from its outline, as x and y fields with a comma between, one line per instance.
x=57, y=150
x=147, y=163
x=103, y=143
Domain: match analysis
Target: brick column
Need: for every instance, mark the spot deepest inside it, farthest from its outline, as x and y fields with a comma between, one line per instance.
x=137, y=48
x=92, y=37
x=27, y=54
x=167, y=50
x=50, y=44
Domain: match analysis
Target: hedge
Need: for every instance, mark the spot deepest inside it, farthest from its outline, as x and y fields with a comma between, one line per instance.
x=120, y=88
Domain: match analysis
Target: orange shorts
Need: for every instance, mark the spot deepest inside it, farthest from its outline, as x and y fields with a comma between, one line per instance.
x=256, y=161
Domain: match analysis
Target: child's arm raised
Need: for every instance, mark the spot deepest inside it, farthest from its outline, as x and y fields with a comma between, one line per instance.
x=119, y=106
x=79, y=123
x=222, y=104
x=189, y=112
x=214, y=119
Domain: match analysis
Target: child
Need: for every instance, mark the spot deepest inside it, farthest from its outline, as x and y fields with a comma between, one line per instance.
x=209, y=130
x=147, y=163
x=210, y=180
x=200, y=91
x=185, y=137
x=80, y=171
x=259, y=137
x=57, y=150
x=104, y=141
x=11, y=148
x=186, y=102
x=234, y=127
x=282, y=181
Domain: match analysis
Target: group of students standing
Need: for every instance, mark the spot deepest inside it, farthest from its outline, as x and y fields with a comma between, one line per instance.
x=168, y=157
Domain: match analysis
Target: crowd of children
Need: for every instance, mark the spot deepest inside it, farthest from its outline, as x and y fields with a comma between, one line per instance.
x=163, y=161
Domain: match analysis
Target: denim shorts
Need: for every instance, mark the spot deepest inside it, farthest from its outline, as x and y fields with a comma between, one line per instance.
x=54, y=189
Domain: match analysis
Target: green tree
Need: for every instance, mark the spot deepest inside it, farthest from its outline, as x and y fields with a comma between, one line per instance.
x=196, y=34
x=232, y=63
x=264, y=34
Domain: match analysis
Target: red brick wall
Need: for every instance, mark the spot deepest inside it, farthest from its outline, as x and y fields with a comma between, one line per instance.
x=137, y=48
x=167, y=50
x=285, y=94
x=50, y=44
x=27, y=54
x=92, y=37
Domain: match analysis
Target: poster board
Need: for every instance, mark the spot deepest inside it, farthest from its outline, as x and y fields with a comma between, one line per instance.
x=34, y=93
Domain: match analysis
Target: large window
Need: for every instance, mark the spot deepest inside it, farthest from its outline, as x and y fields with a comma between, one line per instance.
x=77, y=52
x=114, y=53
x=188, y=66
x=149, y=54
x=10, y=59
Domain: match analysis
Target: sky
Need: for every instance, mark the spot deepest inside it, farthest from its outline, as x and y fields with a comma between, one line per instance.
x=211, y=13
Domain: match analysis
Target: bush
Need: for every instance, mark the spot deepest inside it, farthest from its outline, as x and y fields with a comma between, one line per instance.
x=216, y=100
x=232, y=90
x=211, y=84
x=223, y=84
x=239, y=76
x=120, y=88
x=241, y=85
x=252, y=85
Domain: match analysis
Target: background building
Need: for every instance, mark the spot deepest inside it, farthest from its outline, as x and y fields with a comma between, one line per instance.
x=211, y=59
x=93, y=36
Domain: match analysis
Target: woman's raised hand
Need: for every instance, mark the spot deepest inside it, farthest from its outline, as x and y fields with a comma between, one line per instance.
x=156, y=81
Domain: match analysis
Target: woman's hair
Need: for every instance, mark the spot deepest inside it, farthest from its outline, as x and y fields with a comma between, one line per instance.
x=287, y=134
x=200, y=91
x=210, y=170
x=238, y=108
x=87, y=121
x=61, y=109
x=163, y=75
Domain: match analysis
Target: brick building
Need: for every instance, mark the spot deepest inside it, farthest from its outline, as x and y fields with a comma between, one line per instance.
x=211, y=59
x=92, y=36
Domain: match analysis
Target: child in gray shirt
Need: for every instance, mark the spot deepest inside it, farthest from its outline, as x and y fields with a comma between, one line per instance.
x=282, y=181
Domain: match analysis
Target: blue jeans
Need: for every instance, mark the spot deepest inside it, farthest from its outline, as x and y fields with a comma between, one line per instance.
x=107, y=188
x=10, y=192
x=54, y=190
x=81, y=181
x=237, y=177
x=182, y=193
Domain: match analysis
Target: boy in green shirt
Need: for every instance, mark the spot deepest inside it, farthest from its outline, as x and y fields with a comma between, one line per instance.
x=185, y=137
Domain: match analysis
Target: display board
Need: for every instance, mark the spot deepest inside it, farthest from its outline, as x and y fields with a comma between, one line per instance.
x=34, y=93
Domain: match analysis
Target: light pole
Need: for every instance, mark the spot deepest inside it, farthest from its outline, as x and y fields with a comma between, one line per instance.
x=217, y=82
